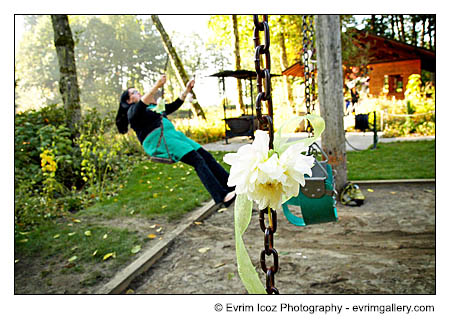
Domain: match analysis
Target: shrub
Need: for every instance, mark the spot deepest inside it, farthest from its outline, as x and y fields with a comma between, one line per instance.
x=419, y=104
x=27, y=140
x=58, y=173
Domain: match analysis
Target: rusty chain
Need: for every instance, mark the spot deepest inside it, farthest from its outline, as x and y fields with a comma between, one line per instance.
x=263, y=74
x=265, y=121
x=309, y=66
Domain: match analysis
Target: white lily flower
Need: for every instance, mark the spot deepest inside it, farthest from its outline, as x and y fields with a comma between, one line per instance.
x=265, y=177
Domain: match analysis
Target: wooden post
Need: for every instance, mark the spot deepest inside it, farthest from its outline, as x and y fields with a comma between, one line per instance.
x=329, y=69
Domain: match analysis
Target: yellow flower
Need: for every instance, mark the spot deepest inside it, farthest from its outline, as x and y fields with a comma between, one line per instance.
x=47, y=162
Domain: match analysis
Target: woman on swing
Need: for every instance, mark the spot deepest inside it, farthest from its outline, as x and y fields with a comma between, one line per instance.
x=139, y=111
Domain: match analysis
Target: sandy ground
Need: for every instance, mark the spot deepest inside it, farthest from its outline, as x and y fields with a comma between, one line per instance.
x=386, y=246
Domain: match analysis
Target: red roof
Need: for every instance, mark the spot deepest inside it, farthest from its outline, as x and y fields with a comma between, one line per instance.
x=382, y=50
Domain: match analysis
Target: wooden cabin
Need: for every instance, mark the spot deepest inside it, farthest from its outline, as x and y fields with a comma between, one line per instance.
x=390, y=63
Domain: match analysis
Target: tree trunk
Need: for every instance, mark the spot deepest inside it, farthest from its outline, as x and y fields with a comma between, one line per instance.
x=429, y=31
x=402, y=28
x=373, y=20
x=422, y=34
x=68, y=84
x=237, y=61
x=413, y=29
x=285, y=65
x=328, y=44
x=176, y=63
x=393, y=26
x=399, y=36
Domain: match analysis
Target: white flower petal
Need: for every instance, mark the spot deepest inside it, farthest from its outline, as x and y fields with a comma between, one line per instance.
x=269, y=181
x=261, y=142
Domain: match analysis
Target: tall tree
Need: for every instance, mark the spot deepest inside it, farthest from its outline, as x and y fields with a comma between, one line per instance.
x=176, y=63
x=402, y=28
x=284, y=63
x=431, y=32
x=392, y=20
x=329, y=61
x=414, y=21
x=111, y=52
x=373, y=23
x=422, y=33
x=68, y=85
x=237, y=61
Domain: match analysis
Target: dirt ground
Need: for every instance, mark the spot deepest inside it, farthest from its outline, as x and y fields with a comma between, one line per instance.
x=386, y=246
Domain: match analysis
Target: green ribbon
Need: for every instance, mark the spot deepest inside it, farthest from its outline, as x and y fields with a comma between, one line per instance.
x=243, y=206
x=159, y=107
x=242, y=216
x=280, y=142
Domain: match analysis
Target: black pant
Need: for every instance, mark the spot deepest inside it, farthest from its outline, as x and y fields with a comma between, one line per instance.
x=213, y=176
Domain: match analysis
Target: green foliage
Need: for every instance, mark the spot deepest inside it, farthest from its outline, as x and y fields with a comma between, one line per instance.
x=110, y=50
x=57, y=173
x=28, y=139
x=56, y=148
x=100, y=152
x=420, y=105
x=200, y=130
x=405, y=28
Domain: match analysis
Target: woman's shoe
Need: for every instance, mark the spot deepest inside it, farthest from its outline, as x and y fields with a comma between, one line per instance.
x=229, y=199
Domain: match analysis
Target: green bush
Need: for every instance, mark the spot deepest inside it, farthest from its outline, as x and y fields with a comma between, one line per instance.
x=27, y=141
x=57, y=172
x=420, y=105
x=415, y=115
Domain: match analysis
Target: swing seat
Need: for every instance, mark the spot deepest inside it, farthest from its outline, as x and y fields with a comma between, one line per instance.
x=315, y=199
x=157, y=159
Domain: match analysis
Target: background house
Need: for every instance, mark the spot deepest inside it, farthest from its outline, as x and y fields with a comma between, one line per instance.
x=389, y=64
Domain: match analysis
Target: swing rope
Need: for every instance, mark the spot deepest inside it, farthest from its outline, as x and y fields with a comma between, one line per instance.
x=164, y=72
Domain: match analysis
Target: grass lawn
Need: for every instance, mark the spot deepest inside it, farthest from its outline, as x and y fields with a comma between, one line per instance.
x=155, y=191
x=400, y=160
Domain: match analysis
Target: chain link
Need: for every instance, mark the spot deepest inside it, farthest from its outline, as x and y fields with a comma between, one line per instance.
x=263, y=82
x=263, y=85
x=309, y=66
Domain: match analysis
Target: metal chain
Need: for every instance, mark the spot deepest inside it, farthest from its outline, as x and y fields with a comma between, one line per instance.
x=307, y=72
x=313, y=62
x=309, y=67
x=263, y=74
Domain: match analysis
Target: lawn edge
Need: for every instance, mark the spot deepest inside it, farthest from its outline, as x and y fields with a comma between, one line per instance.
x=124, y=277
x=393, y=181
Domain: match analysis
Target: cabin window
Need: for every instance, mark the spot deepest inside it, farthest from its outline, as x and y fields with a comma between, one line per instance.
x=386, y=84
x=393, y=84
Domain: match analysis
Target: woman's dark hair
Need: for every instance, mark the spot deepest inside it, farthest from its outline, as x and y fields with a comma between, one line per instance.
x=122, y=118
